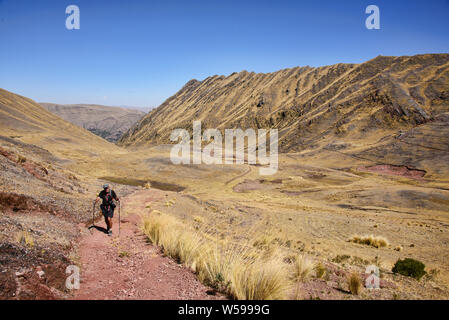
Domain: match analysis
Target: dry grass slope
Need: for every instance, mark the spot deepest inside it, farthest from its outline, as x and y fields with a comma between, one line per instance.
x=24, y=119
x=242, y=271
x=310, y=106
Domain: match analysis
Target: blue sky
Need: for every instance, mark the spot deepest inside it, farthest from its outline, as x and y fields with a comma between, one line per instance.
x=138, y=53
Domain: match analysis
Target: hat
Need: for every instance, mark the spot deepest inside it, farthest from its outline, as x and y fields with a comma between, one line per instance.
x=105, y=186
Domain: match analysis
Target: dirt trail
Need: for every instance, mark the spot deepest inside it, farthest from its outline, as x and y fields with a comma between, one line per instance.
x=239, y=176
x=127, y=267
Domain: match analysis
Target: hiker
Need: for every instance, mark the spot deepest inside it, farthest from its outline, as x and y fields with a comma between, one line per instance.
x=108, y=205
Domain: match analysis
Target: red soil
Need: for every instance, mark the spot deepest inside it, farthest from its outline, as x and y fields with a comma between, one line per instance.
x=141, y=272
x=31, y=167
x=402, y=171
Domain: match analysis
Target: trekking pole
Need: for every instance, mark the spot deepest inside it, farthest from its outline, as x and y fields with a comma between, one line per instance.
x=119, y=209
x=93, y=215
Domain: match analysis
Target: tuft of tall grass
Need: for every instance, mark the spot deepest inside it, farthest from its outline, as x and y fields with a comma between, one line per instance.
x=320, y=270
x=260, y=280
x=242, y=271
x=303, y=268
x=21, y=159
x=25, y=238
x=370, y=240
x=354, y=283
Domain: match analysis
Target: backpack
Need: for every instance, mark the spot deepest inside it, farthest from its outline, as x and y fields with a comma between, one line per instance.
x=110, y=199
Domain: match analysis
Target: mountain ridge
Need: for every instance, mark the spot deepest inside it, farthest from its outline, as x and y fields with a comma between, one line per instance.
x=308, y=104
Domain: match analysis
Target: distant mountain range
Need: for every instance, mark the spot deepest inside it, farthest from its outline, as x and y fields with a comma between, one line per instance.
x=107, y=122
x=144, y=109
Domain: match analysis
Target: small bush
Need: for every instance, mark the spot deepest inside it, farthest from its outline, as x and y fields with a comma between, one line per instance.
x=170, y=203
x=354, y=283
x=341, y=258
x=370, y=240
x=124, y=254
x=198, y=219
x=320, y=271
x=303, y=268
x=359, y=261
x=25, y=238
x=21, y=159
x=410, y=268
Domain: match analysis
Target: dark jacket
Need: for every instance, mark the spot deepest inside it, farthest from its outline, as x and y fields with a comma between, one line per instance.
x=108, y=197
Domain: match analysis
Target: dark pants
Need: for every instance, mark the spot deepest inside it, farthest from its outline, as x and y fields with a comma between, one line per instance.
x=108, y=211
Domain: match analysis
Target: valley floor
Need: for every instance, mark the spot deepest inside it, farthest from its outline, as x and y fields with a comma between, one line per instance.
x=311, y=207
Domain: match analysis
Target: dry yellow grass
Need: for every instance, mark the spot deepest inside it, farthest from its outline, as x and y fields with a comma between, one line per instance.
x=243, y=272
x=25, y=238
x=303, y=268
x=198, y=219
x=264, y=240
x=36, y=125
x=320, y=270
x=261, y=280
x=354, y=283
x=370, y=240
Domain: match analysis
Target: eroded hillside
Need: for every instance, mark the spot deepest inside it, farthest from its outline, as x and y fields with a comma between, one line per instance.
x=45, y=193
x=344, y=106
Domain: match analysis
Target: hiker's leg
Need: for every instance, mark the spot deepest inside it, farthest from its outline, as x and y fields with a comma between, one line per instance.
x=105, y=215
x=110, y=215
x=106, y=220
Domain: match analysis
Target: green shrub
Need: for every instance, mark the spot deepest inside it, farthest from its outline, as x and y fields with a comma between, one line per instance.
x=409, y=267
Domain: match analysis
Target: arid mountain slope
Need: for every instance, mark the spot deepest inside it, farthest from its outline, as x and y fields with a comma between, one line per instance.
x=343, y=106
x=107, y=122
x=25, y=120
x=43, y=197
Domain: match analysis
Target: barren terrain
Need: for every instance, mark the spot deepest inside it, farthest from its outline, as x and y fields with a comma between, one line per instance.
x=363, y=154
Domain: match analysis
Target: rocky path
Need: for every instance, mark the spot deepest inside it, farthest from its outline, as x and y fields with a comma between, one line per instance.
x=127, y=267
